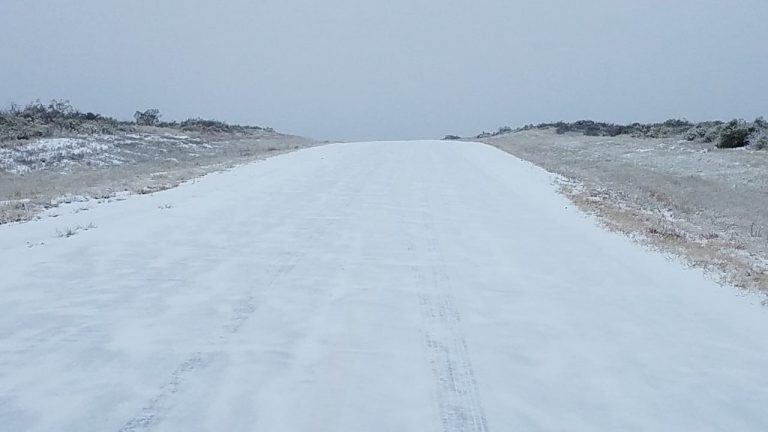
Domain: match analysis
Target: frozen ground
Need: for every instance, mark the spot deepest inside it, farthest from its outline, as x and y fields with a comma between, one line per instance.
x=706, y=204
x=409, y=286
x=42, y=173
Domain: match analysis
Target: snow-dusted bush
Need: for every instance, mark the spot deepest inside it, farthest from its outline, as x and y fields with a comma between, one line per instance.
x=59, y=116
x=591, y=128
x=211, y=126
x=759, y=138
x=60, y=119
x=150, y=117
x=735, y=134
x=705, y=131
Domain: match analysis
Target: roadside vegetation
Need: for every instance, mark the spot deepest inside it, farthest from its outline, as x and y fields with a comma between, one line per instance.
x=38, y=120
x=733, y=134
x=151, y=117
x=665, y=186
x=60, y=118
x=52, y=154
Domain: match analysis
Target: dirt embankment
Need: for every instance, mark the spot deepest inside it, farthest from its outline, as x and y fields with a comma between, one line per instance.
x=42, y=173
x=705, y=204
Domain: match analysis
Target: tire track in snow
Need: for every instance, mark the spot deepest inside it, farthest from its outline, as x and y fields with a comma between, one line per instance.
x=151, y=414
x=153, y=411
x=457, y=390
x=247, y=306
x=458, y=398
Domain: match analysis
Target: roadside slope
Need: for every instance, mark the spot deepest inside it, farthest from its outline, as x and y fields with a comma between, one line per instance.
x=41, y=173
x=368, y=286
x=705, y=204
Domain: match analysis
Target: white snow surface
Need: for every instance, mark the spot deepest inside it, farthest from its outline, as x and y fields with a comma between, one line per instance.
x=399, y=286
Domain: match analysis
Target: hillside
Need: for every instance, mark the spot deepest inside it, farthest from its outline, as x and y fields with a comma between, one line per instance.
x=51, y=154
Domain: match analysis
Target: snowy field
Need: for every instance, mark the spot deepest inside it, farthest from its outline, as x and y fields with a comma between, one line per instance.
x=404, y=286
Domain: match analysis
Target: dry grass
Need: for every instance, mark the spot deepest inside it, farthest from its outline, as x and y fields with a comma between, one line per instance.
x=705, y=205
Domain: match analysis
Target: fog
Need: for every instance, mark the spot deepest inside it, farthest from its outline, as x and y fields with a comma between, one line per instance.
x=350, y=69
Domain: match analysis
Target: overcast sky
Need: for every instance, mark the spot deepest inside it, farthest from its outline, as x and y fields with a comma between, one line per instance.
x=355, y=69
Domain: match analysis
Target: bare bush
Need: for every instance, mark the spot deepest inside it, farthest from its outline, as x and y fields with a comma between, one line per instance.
x=71, y=231
x=150, y=117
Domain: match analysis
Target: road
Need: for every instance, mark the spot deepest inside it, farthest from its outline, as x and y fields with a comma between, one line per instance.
x=399, y=286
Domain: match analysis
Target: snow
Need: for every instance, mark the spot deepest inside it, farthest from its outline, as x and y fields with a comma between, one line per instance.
x=71, y=153
x=58, y=152
x=403, y=286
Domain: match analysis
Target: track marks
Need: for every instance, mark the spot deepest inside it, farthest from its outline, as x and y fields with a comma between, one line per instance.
x=151, y=414
x=458, y=396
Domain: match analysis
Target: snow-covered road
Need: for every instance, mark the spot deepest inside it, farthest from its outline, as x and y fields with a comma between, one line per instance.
x=413, y=286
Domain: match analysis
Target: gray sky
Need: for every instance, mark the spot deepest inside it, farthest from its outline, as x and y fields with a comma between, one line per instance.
x=354, y=69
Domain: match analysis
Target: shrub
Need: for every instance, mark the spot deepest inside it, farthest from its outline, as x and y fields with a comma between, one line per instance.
x=150, y=117
x=592, y=130
x=705, y=131
x=759, y=141
x=713, y=133
x=37, y=120
x=677, y=123
x=41, y=120
x=762, y=144
x=735, y=134
x=212, y=126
